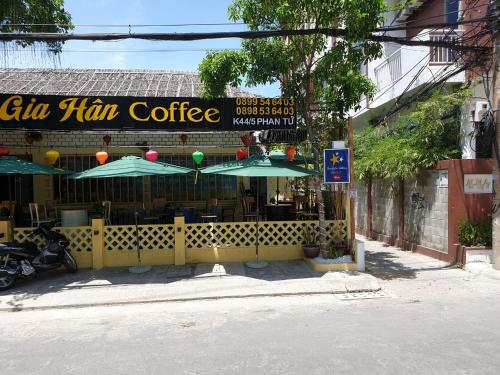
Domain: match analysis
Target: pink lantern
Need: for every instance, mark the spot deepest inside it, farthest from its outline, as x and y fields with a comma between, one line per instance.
x=152, y=155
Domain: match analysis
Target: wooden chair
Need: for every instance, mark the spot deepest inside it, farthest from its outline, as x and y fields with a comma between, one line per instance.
x=249, y=213
x=106, y=212
x=35, y=214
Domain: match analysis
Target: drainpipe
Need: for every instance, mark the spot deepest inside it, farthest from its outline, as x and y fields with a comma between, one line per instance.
x=401, y=229
x=369, y=207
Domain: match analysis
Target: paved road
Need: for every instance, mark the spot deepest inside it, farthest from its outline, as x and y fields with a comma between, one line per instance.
x=434, y=320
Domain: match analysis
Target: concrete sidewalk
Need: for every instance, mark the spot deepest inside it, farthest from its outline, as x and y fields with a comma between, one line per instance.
x=117, y=286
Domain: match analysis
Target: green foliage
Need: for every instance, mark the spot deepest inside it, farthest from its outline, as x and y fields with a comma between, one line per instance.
x=470, y=234
x=309, y=236
x=417, y=140
x=230, y=64
x=335, y=253
x=306, y=66
x=20, y=15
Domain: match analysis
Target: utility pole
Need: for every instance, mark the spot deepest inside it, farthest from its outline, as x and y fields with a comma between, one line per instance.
x=495, y=102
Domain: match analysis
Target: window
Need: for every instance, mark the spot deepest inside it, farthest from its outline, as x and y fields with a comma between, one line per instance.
x=452, y=11
x=183, y=188
x=91, y=190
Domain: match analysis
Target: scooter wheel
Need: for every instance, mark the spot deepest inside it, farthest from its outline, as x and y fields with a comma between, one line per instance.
x=69, y=262
x=7, y=281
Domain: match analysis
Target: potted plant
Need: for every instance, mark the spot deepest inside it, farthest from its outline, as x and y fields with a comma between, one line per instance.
x=475, y=240
x=310, y=246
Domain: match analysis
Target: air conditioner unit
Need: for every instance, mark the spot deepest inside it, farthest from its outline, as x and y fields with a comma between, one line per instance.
x=478, y=110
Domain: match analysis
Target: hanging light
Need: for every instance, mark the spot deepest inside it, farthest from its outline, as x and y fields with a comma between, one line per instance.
x=4, y=151
x=152, y=155
x=101, y=156
x=198, y=157
x=290, y=153
x=247, y=139
x=242, y=154
x=184, y=138
x=29, y=138
x=107, y=139
x=52, y=156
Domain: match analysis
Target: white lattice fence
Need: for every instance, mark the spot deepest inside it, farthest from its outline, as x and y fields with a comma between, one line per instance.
x=151, y=237
x=271, y=233
x=220, y=234
x=80, y=238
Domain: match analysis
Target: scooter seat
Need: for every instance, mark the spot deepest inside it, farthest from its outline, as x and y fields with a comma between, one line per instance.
x=28, y=247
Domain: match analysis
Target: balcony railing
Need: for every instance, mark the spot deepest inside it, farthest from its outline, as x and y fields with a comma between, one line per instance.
x=389, y=71
x=442, y=55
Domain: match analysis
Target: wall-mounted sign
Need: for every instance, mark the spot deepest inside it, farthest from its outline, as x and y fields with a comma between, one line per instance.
x=54, y=112
x=478, y=184
x=336, y=166
x=442, y=181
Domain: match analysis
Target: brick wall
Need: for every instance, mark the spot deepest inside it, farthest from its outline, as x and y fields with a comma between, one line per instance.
x=80, y=139
x=426, y=212
x=385, y=207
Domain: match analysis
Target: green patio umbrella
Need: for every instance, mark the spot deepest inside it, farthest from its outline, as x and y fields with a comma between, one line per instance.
x=133, y=166
x=12, y=166
x=298, y=160
x=259, y=166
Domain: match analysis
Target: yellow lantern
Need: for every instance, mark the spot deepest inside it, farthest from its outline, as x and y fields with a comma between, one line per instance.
x=52, y=156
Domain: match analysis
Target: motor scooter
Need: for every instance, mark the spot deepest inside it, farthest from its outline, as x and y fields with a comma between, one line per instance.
x=26, y=259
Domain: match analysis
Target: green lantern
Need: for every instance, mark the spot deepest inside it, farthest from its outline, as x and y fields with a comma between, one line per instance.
x=198, y=157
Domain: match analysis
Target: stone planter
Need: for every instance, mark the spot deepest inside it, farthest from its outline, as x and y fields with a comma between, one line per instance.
x=310, y=251
x=477, y=254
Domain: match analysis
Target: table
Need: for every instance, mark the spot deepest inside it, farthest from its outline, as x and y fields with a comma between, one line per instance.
x=278, y=212
x=74, y=218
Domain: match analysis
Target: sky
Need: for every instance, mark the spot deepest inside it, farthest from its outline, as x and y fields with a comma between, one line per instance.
x=136, y=54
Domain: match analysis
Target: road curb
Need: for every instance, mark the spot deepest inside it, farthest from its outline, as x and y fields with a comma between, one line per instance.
x=173, y=300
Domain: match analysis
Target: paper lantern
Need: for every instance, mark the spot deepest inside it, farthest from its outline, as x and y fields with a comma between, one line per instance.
x=184, y=138
x=152, y=155
x=29, y=138
x=52, y=156
x=198, y=157
x=242, y=154
x=290, y=153
x=101, y=156
x=4, y=151
x=107, y=139
x=247, y=139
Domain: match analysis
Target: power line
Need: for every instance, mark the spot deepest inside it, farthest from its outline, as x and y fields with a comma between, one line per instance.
x=217, y=49
x=46, y=37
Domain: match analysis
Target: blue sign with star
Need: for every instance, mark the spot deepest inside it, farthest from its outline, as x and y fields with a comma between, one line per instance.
x=336, y=166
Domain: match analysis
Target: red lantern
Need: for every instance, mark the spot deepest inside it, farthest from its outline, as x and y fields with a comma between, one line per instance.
x=152, y=155
x=107, y=139
x=101, y=156
x=247, y=139
x=184, y=138
x=242, y=154
x=290, y=153
x=4, y=151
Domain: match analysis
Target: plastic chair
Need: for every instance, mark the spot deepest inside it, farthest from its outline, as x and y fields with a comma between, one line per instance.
x=35, y=216
x=211, y=213
x=189, y=215
x=52, y=211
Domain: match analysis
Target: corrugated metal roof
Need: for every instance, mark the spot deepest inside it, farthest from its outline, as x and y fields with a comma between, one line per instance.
x=105, y=82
